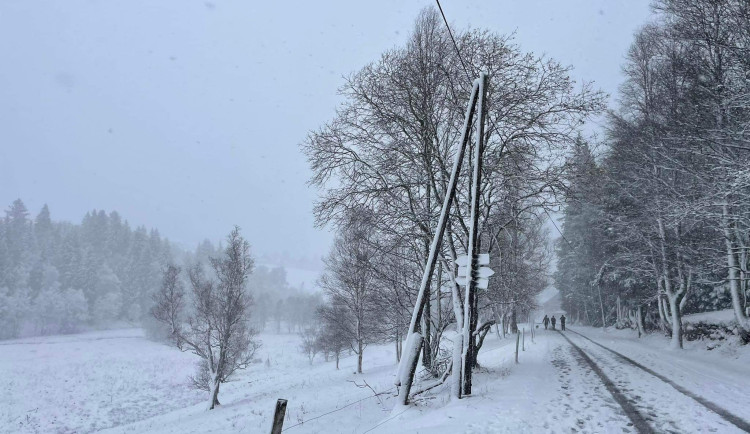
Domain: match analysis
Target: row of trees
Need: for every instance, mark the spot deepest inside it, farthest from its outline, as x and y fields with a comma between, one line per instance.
x=278, y=305
x=59, y=277
x=382, y=166
x=660, y=224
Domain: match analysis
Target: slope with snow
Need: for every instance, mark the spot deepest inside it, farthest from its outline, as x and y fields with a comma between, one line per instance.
x=118, y=379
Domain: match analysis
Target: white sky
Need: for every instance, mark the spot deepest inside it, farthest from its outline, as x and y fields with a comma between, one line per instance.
x=187, y=115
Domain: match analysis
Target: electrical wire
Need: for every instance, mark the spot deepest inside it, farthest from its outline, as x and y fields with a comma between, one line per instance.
x=460, y=58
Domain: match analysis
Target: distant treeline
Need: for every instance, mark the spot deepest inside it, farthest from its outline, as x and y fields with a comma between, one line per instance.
x=60, y=277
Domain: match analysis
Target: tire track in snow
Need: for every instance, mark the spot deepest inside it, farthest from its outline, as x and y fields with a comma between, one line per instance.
x=583, y=404
x=725, y=414
x=639, y=422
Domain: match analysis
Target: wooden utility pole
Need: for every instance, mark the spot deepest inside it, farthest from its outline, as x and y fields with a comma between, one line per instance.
x=466, y=342
x=278, y=416
x=470, y=305
x=408, y=364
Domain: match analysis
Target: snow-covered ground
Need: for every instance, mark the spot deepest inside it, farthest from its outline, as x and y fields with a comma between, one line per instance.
x=120, y=380
x=716, y=317
x=89, y=381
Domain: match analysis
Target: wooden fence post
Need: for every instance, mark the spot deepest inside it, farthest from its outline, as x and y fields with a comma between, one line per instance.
x=278, y=416
x=518, y=338
x=523, y=339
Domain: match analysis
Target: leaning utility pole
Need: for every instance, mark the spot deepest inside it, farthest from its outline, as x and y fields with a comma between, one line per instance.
x=470, y=305
x=414, y=341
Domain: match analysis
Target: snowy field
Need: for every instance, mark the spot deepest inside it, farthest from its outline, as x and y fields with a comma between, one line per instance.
x=89, y=381
x=119, y=380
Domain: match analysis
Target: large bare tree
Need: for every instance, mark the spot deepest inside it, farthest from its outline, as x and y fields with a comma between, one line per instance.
x=391, y=144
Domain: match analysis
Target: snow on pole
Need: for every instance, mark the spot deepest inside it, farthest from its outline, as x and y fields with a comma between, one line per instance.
x=456, y=375
x=410, y=343
x=414, y=343
x=409, y=359
x=472, y=248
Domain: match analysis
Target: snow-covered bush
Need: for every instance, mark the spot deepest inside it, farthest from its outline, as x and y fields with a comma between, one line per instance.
x=56, y=311
x=14, y=306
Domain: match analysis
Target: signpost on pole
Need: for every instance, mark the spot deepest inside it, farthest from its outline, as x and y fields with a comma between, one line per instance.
x=475, y=271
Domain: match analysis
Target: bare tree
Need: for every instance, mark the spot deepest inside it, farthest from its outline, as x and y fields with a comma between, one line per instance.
x=309, y=344
x=332, y=335
x=215, y=325
x=350, y=284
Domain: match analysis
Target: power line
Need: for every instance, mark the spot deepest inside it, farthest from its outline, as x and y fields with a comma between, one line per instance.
x=558, y=229
x=461, y=59
x=553, y=222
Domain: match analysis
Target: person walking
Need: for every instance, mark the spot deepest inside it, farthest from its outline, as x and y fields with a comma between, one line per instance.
x=553, y=320
x=562, y=322
x=545, y=321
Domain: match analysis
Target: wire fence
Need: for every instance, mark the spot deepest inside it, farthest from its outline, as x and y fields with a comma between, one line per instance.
x=339, y=408
x=385, y=392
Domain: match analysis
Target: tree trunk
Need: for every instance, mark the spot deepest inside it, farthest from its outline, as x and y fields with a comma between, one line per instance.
x=426, y=320
x=438, y=298
x=400, y=347
x=639, y=320
x=215, y=383
x=601, y=304
x=733, y=268
x=586, y=313
x=360, y=349
x=398, y=350
x=663, y=314
x=674, y=306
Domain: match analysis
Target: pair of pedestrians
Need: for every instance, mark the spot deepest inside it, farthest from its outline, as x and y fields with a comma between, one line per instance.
x=547, y=320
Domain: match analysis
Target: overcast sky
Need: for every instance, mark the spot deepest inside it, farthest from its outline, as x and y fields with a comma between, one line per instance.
x=187, y=115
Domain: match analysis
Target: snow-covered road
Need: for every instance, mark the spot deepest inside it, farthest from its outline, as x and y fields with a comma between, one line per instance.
x=557, y=389
x=665, y=404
